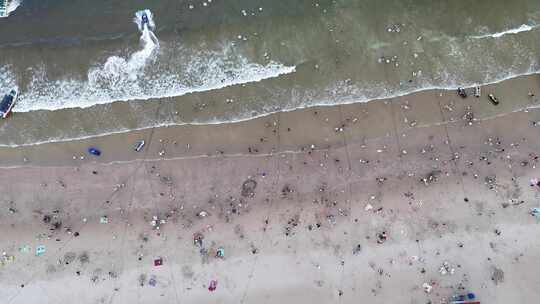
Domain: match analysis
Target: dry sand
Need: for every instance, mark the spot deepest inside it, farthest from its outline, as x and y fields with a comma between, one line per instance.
x=299, y=202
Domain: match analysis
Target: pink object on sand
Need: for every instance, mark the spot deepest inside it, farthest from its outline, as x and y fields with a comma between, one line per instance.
x=213, y=285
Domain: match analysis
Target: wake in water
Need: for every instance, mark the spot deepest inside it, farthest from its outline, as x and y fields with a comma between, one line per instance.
x=521, y=28
x=149, y=73
x=120, y=70
x=12, y=5
x=144, y=19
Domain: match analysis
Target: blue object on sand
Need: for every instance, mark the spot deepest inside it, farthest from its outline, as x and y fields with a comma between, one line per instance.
x=139, y=145
x=40, y=250
x=94, y=151
x=535, y=212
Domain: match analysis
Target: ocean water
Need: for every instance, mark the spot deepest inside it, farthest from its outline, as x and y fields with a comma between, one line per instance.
x=86, y=68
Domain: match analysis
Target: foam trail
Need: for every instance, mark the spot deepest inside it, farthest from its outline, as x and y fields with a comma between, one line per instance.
x=117, y=67
x=142, y=76
x=521, y=28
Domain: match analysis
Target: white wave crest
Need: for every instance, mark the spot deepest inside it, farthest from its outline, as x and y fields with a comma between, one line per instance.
x=141, y=76
x=114, y=82
x=521, y=28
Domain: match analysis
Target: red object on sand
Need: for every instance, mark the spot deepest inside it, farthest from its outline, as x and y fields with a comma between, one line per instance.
x=213, y=285
x=158, y=262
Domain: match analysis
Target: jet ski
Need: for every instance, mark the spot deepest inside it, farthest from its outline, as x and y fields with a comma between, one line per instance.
x=7, y=103
x=145, y=20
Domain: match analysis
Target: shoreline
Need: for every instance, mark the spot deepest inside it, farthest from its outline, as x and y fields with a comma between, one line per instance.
x=182, y=138
x=528, y=75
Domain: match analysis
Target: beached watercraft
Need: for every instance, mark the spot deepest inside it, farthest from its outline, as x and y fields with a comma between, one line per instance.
x=494, y=100
x=4, y=5
x=139, y=145
x=7, y=103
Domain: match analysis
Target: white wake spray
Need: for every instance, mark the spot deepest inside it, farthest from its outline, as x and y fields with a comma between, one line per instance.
x=141, y=76
x=512, y=31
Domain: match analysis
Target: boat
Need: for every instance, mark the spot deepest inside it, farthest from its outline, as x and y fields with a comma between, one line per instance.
x=94, y=151
x=139, y=145
x=494, y=100
x=4, y=5
x=477, y=92
x=7, y=103
x=461, y=92
x=144, y=19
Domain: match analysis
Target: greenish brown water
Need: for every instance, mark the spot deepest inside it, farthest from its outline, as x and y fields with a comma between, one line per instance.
x=84, y=68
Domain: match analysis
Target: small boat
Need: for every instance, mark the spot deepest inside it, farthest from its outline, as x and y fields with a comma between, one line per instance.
x=7, y=103
x=139, y=145
x=493, y=99
x=4, y=5
x=461, y=92
x=144, y=19
x=477, y=92
x=94, y=151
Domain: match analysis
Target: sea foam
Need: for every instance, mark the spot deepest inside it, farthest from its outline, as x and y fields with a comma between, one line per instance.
x=137, y=78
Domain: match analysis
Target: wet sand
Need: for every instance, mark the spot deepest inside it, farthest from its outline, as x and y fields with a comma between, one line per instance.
x=445, y=179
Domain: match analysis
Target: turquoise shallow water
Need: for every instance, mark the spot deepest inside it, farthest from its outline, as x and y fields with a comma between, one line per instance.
x=84, y=68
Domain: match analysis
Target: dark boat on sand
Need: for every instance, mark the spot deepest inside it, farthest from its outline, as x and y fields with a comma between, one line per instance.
x=7, y=103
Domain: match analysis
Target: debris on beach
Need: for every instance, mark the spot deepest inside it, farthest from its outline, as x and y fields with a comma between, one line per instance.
x=40, y=250
x=213, y=285
x=469, y=116
x=357, y=249
x=158, y=261
x=198, y=239
x=427, y=287
x=202, y=214
x=446, y=269
x=464, y=299
x=220, y=253
x=24, y=249
x=6, y=258
x=157, y=222
x=535, y=212
x=477, y=92
x=497, y=275
x=248, y=188
x=382, y=237
x=104, y=220
x=431, y=177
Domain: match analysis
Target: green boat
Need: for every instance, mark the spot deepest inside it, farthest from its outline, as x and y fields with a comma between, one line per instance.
x=4, y=5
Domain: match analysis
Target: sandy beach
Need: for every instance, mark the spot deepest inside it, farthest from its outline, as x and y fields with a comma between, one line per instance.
x=408, y=200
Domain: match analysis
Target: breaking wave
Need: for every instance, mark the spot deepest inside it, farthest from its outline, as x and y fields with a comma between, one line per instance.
x=141, y=76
